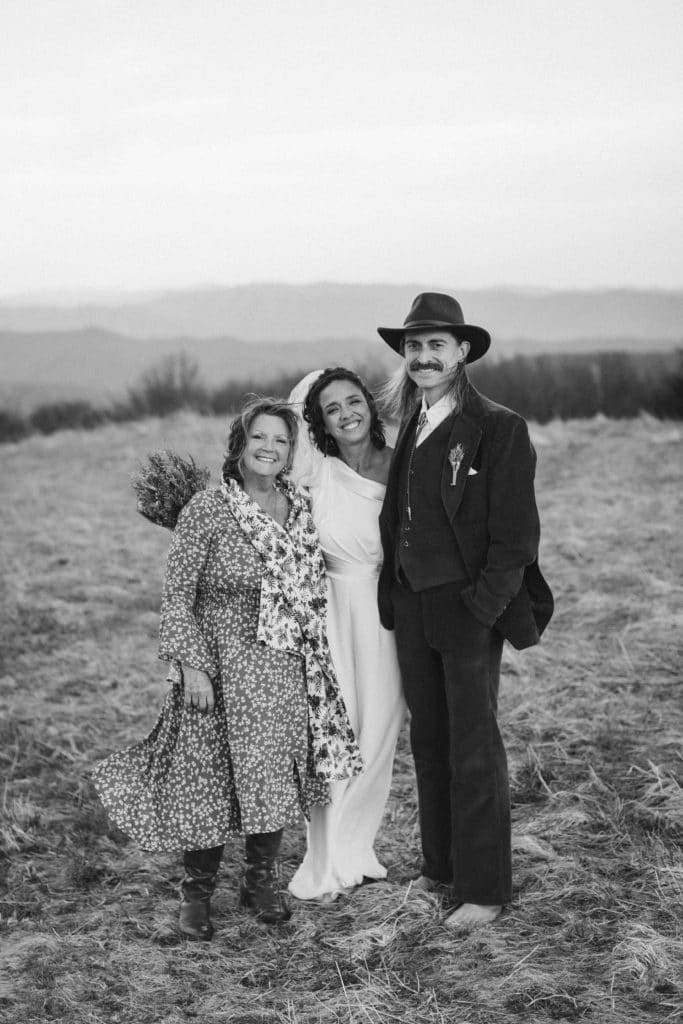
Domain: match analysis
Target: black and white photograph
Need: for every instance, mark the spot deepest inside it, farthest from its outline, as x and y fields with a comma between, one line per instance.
x=341, y=449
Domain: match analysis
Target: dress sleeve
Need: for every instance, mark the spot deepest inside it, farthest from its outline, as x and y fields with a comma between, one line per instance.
x=307, y=459
x=180, y=637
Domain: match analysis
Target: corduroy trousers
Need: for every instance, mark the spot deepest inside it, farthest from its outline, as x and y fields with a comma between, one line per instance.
x=450, y=665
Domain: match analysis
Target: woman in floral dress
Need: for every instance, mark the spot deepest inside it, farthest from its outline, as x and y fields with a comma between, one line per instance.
x=253, y=729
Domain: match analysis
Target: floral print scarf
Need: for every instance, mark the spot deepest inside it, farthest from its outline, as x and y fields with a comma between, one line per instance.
x=292, y=618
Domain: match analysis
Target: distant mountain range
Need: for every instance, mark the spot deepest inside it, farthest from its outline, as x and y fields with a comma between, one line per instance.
x=97, y=348
x=273, y=312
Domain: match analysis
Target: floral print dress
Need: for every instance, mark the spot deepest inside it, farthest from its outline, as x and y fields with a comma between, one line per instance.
x=197, y=778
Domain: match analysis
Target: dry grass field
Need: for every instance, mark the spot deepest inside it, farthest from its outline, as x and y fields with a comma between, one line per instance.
x=594, y=725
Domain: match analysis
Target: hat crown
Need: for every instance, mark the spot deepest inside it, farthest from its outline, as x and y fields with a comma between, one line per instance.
x=433, y=308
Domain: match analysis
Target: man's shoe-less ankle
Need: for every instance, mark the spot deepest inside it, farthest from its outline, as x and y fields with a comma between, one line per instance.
x=472, y=915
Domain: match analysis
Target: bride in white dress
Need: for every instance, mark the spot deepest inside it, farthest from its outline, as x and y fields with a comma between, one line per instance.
x=345, y=470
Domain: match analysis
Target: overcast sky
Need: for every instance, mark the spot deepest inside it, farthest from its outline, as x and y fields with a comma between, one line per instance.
x=169, y=143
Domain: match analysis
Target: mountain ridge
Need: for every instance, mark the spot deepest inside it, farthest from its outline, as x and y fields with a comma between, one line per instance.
x=287, y=313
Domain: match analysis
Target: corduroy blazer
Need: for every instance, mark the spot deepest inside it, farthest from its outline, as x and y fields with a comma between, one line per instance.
x=493, y=514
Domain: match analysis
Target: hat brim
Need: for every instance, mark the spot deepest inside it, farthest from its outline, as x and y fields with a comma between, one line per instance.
x=479, y=339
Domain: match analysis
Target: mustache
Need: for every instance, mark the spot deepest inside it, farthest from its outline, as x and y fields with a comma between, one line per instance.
x=433, y=364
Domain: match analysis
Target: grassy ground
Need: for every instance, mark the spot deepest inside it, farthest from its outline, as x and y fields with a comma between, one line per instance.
x=593, y=721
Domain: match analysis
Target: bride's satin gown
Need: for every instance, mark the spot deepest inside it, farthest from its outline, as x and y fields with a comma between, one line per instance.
x=340, y=850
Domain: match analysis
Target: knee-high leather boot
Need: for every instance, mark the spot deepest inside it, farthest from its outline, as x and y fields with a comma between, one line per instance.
x=260, y=890
x=201, y=868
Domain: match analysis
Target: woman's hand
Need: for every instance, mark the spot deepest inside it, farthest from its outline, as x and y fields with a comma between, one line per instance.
x=198, y=689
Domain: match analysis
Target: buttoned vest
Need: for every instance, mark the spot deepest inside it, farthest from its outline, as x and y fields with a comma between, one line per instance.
x=427, y=553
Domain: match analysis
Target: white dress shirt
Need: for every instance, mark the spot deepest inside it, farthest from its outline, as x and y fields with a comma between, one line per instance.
x=435, y=414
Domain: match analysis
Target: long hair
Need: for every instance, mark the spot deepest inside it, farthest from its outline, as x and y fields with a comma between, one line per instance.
x=313, y=414
x=256, y=405
x=398, y=396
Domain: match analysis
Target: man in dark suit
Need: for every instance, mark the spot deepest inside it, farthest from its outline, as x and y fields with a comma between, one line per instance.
x=460, y=533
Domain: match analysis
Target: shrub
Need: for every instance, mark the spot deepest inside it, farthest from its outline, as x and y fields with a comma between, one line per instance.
x=230, y=396
x=558, y=386
x=171, y=385
x=13, y=426
x=551, y=385
x=54, y=416
x=668, y=398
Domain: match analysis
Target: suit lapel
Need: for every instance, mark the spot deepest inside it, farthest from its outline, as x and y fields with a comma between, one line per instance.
x=463, y=443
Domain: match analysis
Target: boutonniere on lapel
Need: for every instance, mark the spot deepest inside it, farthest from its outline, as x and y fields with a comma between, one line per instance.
x=455, y=457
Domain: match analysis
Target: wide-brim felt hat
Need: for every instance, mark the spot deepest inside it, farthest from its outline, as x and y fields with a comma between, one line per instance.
x=432, y=309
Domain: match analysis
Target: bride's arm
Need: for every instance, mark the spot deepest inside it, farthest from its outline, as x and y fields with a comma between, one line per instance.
x=308, y=459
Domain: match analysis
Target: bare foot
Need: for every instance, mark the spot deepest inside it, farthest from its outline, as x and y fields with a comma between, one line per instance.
x=471, y=915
